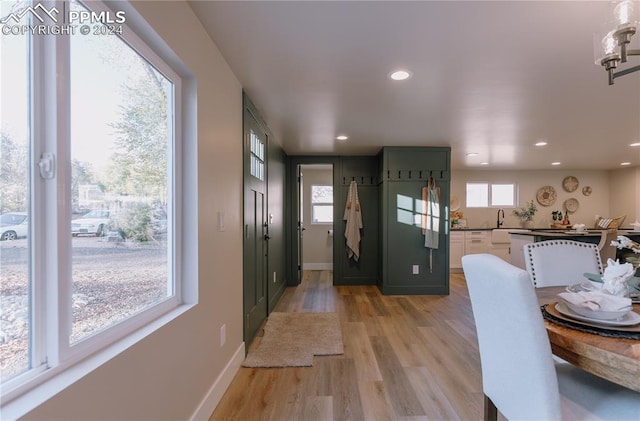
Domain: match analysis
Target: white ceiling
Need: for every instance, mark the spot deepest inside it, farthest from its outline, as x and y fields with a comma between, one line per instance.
x=489, y=77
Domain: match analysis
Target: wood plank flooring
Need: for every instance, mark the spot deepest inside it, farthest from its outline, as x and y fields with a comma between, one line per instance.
x=405, y=358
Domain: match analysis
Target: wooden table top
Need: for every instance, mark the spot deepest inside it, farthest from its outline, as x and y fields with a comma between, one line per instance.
x=615, y=359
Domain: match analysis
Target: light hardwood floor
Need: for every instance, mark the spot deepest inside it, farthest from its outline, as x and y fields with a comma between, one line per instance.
x=405, y=358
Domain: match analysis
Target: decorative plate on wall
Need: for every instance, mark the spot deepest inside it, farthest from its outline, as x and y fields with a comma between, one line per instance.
x=571, y=205
x=586, y=190
x=570, y=183
x=454, y=203
x=546, y=196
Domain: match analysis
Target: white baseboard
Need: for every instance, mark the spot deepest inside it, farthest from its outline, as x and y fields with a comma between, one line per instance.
x=317, y=266
x=219, y=386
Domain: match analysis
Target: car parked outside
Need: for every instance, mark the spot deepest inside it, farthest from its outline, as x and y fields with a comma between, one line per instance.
x=13, y=225
x=95, y=223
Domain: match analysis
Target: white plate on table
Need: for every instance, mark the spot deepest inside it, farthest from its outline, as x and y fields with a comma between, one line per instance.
x=630, y=318
x=585, y=286
x=576, y=232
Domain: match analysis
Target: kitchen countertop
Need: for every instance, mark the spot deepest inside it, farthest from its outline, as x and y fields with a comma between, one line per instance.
x=560, y=233
x=534, y=231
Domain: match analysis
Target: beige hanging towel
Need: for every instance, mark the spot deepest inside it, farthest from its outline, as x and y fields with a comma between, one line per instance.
x=353, y=216
x=432, y=227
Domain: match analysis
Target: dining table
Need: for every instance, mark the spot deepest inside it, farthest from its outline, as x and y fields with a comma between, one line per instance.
x=614, y=358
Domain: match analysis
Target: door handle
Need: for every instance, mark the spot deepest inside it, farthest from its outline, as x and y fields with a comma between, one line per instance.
x=267, y=237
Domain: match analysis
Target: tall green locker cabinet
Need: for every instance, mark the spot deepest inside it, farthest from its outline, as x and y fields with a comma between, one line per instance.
x=407, y=266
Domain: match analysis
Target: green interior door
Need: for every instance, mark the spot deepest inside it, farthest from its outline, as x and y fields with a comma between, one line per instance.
x=255, y=235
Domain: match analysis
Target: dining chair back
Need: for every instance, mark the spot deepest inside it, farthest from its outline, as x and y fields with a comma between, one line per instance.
x=519, y=377
x=561, y=262
x=607, y=251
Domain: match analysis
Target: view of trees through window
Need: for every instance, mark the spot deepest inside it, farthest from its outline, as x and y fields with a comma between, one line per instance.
x=121, y=141
x=321, y=204
x=15, y=130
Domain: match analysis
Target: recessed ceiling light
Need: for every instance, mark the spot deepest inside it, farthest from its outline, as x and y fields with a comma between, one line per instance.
x=625, y=163
x=472, y=154
x=635, y=144
x=400, y=75
x=556, y=163
x=342, y=137
x=541, y=143
x=484, y=163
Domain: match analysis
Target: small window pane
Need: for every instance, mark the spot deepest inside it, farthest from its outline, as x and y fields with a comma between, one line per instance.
x=502, y=195
x=322, y=214
x=477, y=195
x=321, y=194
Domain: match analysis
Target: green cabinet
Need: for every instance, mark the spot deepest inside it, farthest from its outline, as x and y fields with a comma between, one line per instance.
x=407, y=267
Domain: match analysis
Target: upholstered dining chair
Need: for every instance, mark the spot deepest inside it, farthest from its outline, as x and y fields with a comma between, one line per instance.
x=519, y=377
x=607, y=251
x=561, y=262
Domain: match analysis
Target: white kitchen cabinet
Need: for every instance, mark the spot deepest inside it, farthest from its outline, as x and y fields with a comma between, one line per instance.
x=456, y=250
x=476, y=242
x=518, y=242
x=502, y=251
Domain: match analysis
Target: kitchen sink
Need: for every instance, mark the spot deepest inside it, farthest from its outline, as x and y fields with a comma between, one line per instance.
x=502, y=236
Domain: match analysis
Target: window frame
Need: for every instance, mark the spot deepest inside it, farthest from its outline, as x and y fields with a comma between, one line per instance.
x=49, y=248
x=322, y=204
x=489, y=195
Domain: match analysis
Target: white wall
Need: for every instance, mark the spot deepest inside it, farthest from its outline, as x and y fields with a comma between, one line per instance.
x=529, y=182
x=317, y=247
x=625, y=194
x=169, y=373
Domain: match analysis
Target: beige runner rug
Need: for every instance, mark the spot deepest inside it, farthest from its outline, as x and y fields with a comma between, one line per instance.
x=292, y=339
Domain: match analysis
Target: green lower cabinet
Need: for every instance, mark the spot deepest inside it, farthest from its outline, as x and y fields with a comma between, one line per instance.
x=407, y=266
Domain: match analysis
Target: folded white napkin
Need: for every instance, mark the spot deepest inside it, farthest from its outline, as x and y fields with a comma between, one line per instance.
x=615, y=277
x=597, y=300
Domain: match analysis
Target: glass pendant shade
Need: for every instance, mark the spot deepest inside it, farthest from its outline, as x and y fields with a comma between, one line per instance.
x=625, y=13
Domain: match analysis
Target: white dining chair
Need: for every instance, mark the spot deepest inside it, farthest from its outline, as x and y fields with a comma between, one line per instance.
x=561, y=262
x=607, y=251
x=519, y=377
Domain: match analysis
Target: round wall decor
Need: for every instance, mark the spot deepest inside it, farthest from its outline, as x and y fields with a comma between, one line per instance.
x=570, y=183
x=571, y=205
x=586, y=190
x=546, y=196
x=454, y=203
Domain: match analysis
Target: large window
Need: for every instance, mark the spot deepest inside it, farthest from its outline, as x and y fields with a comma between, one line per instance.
x=88, y=202
x=484, y=195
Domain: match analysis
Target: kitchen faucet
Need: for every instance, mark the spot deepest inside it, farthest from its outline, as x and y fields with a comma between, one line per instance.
x=498, y=221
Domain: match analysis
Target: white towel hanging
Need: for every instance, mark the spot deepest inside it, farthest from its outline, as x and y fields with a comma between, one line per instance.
x=353, y=216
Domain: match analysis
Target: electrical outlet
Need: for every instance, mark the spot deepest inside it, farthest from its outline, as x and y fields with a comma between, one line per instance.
x=416, y=269
x=223, y=335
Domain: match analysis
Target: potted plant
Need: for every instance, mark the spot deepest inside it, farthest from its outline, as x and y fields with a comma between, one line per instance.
x=526, y=214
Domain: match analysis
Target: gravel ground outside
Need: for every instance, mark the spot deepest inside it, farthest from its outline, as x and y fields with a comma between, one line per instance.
x=111, y=281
